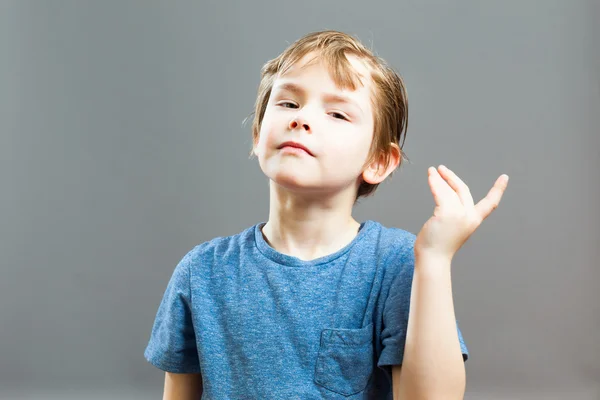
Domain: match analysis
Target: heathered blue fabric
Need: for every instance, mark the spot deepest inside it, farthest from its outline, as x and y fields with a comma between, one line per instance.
x=259, y=324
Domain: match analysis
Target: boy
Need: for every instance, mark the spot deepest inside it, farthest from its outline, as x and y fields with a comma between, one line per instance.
x=313, y=304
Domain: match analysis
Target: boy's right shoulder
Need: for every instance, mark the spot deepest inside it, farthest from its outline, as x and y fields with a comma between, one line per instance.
x=221, y=247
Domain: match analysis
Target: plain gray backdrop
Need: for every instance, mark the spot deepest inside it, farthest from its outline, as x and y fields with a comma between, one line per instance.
x=122, y=147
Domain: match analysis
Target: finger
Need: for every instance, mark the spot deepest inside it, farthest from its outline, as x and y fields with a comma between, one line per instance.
x=442, y=192
x=490, y=202
x=457, y=184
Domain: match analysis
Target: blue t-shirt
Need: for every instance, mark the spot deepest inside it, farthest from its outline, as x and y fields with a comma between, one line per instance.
x=260, y=324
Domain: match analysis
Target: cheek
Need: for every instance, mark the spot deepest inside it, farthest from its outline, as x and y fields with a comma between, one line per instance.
x=263, y=134
x=269, y=122
x=352, y=149
x=266, y=138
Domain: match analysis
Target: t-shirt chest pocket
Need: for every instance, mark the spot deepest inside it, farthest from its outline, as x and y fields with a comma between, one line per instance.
x=345, y=360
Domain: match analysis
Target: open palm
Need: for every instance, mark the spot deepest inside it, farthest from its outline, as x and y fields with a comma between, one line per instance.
x=455, y=216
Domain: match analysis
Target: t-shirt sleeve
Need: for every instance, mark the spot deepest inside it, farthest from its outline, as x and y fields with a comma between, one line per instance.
x=396, y=311
x=172, y=345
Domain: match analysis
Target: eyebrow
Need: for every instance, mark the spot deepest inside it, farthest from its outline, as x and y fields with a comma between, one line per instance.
x=329, y=97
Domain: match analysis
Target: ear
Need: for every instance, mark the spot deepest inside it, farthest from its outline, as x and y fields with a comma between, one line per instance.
x=377, y=171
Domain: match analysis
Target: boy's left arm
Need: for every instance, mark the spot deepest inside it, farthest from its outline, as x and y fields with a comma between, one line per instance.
x=432, y=366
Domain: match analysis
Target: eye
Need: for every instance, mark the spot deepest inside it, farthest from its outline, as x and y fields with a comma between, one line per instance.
x=285, y=103
x=338, y=116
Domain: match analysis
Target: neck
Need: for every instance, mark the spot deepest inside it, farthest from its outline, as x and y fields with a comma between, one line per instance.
x=309, y=227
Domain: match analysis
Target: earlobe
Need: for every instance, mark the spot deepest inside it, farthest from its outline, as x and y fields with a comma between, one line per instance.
x=372, y=174
x=377, y=171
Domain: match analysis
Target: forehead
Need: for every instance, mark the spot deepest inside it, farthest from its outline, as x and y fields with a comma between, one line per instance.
x=352, y=78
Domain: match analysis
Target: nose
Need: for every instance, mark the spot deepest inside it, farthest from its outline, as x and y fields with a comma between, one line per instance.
x=299, y=121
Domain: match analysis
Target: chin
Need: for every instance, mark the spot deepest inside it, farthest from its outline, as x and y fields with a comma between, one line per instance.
x=298, y=185
x=292, y=182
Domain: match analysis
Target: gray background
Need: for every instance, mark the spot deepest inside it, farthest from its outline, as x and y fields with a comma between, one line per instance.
x=122, y=147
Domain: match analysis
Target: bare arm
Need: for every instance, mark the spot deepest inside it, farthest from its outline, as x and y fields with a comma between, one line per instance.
x=182, y=386
x=433, y=366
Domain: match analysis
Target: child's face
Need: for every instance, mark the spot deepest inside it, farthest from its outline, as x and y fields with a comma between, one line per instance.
x=338, y=135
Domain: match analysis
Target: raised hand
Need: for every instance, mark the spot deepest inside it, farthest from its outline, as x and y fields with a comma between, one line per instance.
x=455, y=216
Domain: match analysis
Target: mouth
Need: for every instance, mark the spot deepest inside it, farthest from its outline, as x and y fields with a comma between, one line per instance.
x=295, y=145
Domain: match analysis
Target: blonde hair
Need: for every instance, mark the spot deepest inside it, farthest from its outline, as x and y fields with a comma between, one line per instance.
x=389, y=99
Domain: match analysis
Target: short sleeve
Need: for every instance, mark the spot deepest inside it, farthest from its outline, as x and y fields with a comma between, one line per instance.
x=396, y=312
x=172, y=345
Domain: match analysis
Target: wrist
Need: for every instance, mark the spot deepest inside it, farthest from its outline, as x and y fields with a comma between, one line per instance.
x=432, y=262
x=433, y=255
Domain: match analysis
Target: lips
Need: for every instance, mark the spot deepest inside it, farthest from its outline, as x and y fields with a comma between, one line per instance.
x=296, y=145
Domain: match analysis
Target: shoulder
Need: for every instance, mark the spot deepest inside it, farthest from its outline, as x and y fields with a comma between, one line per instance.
x=396, y=258
x=394, y=242
x=220, y=247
